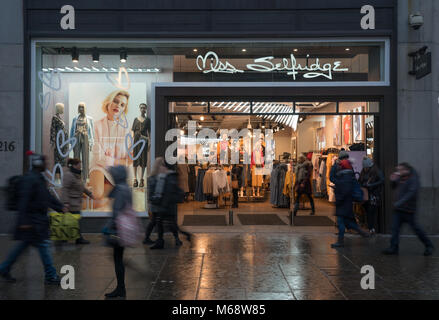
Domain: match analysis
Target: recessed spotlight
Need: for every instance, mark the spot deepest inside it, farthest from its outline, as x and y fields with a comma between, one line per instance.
x=295, y=50
x=348, y=49
x=123, y=55
x=202, y=118
x=95, y=55
x=244, y=50
x=75, y=55
x=195, y=50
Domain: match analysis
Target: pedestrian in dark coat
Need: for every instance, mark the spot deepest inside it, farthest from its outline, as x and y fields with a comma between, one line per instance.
x=164, y=210
x=302, y=185
x=33, y=224
x=372, y=179
x=344, y=184
x=405, y=182
x=122, y=198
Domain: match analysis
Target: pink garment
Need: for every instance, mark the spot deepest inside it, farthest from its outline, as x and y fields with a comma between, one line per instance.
x=108, y=149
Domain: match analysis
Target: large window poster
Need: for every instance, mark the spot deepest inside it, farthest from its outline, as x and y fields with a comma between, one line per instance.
x=110, y=114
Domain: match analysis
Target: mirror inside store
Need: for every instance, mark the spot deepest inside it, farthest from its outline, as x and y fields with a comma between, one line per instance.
x=244, y=156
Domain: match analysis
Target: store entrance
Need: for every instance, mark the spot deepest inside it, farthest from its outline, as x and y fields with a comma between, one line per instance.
x=251, y=180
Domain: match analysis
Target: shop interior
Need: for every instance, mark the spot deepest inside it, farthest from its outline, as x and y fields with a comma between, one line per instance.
x=316, y=130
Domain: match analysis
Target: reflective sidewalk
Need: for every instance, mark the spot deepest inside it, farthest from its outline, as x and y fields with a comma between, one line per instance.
x=236, y=266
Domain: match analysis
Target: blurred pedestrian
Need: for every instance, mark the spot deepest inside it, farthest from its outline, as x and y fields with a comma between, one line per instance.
x=163, y=196
x=122, y=198
x=72, y=191
x=405, y=182
x=344, y=186
x=372, y=179
x=236, y=184
x=33, y=227
x=343, y=155
x=302, y=185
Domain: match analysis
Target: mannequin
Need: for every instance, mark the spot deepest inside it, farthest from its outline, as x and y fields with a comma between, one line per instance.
x=141, y=128
x=83, y=130
x=57, y=125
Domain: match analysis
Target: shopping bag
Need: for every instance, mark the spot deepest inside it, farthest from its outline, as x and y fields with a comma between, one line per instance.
x=64, y=226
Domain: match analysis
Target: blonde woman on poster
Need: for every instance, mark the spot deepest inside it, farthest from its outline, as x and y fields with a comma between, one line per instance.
x=109, y=148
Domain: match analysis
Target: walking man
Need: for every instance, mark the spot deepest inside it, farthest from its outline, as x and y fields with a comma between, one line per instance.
x=33, y=222
x=406, y=184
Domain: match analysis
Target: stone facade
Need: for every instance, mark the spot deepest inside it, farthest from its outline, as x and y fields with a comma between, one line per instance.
x=418, y=105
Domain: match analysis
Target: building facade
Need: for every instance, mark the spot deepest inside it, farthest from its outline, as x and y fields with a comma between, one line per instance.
x=307, y=70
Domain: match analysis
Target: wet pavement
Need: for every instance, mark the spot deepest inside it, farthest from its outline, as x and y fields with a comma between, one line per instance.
x=241, y=266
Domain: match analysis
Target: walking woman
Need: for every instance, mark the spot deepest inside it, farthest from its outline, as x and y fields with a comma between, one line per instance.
x=163, y=196
x=122, y=197
x=372, y=179
x=72, y=190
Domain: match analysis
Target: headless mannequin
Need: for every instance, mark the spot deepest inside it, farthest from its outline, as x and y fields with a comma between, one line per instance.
x=56, y=126
x=82, y=147
x=141, y=131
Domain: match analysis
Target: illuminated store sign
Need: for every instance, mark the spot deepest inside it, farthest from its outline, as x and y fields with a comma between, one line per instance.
x=210, y=62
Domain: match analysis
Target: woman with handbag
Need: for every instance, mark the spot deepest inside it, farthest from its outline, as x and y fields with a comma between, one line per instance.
x=72, y=190
x=122, y=198
x=371, y=179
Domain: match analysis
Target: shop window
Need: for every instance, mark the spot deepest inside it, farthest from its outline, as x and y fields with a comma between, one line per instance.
x=230, y=107
x=273, y=107
x=188, y=107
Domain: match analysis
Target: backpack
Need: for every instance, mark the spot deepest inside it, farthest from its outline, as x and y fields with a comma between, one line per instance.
x=357, y=193
x=12, y=193
x=128, y=227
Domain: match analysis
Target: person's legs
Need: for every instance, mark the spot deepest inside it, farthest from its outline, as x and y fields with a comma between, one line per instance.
x=411, y=220
x=12, y=257
x=135, y=176
x=341, y=230
x=353, y=225
x=396, y=226
x=235, y=198
x=159, y=244
x=311, y=201
x=150, y=228
x=296, y=202
x=119, y=269
x=46, y=259
x=371, y=214
x=142, y=181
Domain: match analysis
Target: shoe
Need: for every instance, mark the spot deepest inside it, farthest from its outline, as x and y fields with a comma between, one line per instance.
x=428, y=251
x=53, y=281
x=372, y=232
x=142, y=183
x=7, y=277
x=178, y=242
x=313, y=213
x=159, y=244
x=148, y=241
x=338, y=244
x=135, y=184
x=117, y=293
x=390, y=251
x=82, y=241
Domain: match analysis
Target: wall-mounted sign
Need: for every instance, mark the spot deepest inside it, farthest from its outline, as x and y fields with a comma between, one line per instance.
x=421, y=63
x=210, y=62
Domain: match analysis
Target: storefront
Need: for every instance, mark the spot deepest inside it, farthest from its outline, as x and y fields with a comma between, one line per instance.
x=318, y=92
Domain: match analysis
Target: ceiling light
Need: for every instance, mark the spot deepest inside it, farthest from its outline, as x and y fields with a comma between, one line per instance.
x=75, y=55
x=244, y=50
x=95, y=55
x=123, y=55
x=295, y=50
x=195, y=50
x=348, y=49
x=202, y=118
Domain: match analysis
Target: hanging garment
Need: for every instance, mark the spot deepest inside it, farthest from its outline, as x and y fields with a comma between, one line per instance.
x=288, y=185
x=208, y=182
x=183, y=177
x=277, y=183
x=220, y=183
x=191, y=178
x=199, y=192
x=256, y=177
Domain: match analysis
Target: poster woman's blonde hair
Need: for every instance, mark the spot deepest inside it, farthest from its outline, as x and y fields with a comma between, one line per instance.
x=109, y=99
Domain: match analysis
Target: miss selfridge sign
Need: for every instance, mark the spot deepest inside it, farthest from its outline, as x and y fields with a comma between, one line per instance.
x=210, y=62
